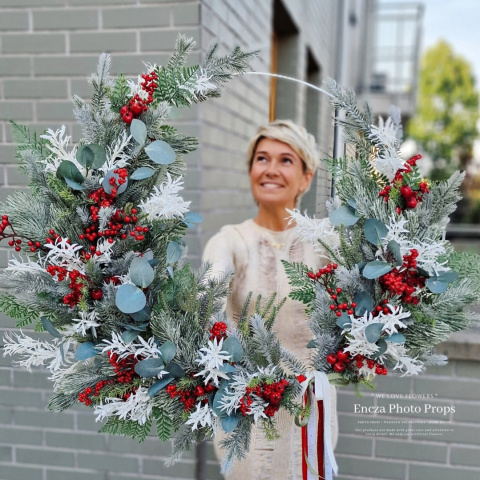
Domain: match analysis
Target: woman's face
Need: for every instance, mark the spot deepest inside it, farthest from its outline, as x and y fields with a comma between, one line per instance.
x=276, y=175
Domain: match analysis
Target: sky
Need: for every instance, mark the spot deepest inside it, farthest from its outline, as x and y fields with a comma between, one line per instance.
x=457, y=22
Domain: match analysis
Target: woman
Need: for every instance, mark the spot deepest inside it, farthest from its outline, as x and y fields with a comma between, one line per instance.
x=282, y=159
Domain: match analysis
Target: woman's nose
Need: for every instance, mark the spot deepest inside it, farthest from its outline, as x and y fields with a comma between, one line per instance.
x=272, y=169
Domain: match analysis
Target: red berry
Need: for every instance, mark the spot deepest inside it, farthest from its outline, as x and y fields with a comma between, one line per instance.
x=127, y=118
x=339, y=367
x=412, y=202
x=342, y=356
x=125, y=109
x=331, y=358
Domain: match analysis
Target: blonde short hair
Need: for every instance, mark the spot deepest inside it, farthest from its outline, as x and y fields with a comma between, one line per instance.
x=297, y=137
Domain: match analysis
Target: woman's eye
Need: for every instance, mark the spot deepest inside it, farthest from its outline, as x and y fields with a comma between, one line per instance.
x=260, y=158
x=286, y=160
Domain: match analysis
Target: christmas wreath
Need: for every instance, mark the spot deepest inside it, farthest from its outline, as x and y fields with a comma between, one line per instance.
x=134, y=332
x=395, y=287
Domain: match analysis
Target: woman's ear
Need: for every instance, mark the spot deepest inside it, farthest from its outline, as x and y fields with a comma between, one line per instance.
x=307, y=180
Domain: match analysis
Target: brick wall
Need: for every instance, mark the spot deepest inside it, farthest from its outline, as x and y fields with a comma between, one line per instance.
x=413, y=441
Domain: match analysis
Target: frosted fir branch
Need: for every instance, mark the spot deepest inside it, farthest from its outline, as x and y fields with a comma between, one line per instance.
x=198, y=86
x=83, y=213
x=201, y=416
x=428, y=250
x=212, y=358
x=164, y=203
x=116, y=155
x=106, y=251
x=136, y=88
x=103, y=71
x=104, y=216
x=87, y=321
x=58, y=144
x=138, y=407
x=63, y=254
x=35, y=352
x=27, y=265
x=145, y=348
x=236, y=390
x=435, y=359
x=332, y=204
x=310, y=230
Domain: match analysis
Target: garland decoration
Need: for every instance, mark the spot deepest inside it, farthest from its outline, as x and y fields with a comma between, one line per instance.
x=133, y=332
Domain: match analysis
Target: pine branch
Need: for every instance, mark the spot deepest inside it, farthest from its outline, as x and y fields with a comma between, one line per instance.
x=11, y=307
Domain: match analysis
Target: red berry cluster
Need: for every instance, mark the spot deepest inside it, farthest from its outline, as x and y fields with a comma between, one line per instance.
x=190, y=396
x=14, y=241
x=124, y=368
x=339, y=360
x=270, y=392
x=411, y=196
x=371, y=364
x=84, y=397
x=382, y=307
x=119, y=224
x=404, y=281
x=218, y=331
x=324, y=274
x=149, y=84
x=136, y=106
x=60, y=272
x=77, y=281
x=117, y=182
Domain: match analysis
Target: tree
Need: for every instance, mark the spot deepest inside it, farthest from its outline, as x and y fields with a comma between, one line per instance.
x=445, y=123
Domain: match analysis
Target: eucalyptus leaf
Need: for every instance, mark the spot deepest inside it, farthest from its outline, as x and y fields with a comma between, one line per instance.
x=352, y=203
x=216, y=403
x=382, y=348
x=373, y=332
x=129, y=335
x=141, y=272
x=448, y=277
x=364, y=303
x=139, y=131
x=436, y=286
x=376, y=269
x=142, y=173
x=69, y=170
x=138, y=328
x=142, y=315
x=227, y=368
x=129, y=298
x=47, y=325
x=170, y=271
x=190, y=218
x=168, y=351
x=175, y=370
x=312, y=344
x=85, y=350
x=396, y=338
x=74, y=185
x=234, y=348
x=153, y=262
x=344, y=215
x=229, y=423
x=344, y=321
x=85, y=156
x=394, y=248
x=160, y=152
x=174, y=252
x=150, y=367
x=374, y=231
x=160, y=385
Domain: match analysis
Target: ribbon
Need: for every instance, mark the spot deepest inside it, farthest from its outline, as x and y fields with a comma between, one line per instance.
x=320, y=391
